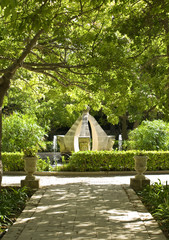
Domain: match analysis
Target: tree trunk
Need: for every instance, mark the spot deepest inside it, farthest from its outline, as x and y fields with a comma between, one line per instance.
x=5, y=84
x=3, y=89
x=166, y=27
x=124, y=127
x=168, y=78
x=1, y=167
x=136, y=124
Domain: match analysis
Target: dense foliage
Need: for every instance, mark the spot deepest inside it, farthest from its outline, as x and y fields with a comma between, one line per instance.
x=116, y=51
x=20, y=132
x=109, y=54
x=156, y=199
x=12, y=202
x=54, y=39
x=150, y=135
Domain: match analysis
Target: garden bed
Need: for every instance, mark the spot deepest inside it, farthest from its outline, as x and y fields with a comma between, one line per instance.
x=12, y=203
x=156, y=199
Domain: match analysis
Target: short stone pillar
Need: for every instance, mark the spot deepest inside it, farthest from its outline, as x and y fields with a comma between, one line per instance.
x=30, y=167
x=140, y=181
x=84, y=143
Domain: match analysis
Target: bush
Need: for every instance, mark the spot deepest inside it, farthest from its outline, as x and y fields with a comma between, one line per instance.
x=13, y=161
x=12, y=201
x=156, y=199
x=150, y=135
x=19, y=132
x=43, y=165
x=114, y=161
x=101, y=161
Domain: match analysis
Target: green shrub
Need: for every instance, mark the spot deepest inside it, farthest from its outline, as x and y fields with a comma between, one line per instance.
x=13, y=161
x=43, y=165
x=30, y=151
x=20, y=131
x=12, y=201
x=114, y=161
x=150, y=135
x=156, y=199
x=102, y=161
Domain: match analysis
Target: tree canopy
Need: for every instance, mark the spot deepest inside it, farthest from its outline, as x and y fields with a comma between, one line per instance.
x=47, y=37
x=113, y=55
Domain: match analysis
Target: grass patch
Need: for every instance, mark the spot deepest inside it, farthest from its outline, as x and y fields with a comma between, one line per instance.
x=12, y=203
x=156, y=199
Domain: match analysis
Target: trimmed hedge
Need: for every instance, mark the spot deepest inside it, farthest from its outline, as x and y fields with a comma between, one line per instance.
x=15, y=162
x=115, y=161
x=94, y=161
x=12, y=161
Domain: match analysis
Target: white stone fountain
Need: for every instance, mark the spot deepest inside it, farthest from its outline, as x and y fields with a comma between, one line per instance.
x=78, y=137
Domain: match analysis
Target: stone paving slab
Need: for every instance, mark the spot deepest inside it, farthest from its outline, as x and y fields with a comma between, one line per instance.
x=84, y=208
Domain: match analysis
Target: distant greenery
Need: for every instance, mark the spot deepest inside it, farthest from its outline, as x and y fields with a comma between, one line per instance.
x=150, y=135
x=19, y=132
x=46, y=146
x=12, y=202
x=156, y=199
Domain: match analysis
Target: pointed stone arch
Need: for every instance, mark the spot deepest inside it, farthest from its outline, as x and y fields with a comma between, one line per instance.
x=78, y=137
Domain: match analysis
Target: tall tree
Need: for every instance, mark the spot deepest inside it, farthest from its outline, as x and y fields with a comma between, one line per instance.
x=134, y=55
x=48, y=37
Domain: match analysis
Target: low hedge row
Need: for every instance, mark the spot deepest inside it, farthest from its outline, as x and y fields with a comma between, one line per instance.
x=15, y=162
x=115, y=161
x=12, y=161
x=94, y=161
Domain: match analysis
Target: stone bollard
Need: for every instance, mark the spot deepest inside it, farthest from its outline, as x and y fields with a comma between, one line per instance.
x=140, y=181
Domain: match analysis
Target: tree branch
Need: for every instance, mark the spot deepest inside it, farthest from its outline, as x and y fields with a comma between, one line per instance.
x=51, y=66
x=66, y=82
x=18, y=62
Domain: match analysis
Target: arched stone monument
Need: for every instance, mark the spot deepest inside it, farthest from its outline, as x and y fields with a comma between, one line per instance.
x=78, y=137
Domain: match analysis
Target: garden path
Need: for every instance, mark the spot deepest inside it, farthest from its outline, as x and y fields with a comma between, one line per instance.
x=83, y=208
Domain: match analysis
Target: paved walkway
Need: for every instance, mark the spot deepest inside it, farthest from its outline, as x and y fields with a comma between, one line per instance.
x=81, y=208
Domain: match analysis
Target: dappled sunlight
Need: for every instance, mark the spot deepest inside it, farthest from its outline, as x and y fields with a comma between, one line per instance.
x=123, y=215
x=83, y=208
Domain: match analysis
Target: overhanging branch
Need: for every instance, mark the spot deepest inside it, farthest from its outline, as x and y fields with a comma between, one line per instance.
x=64, y=82
x=51, y=66
x=11, y=70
